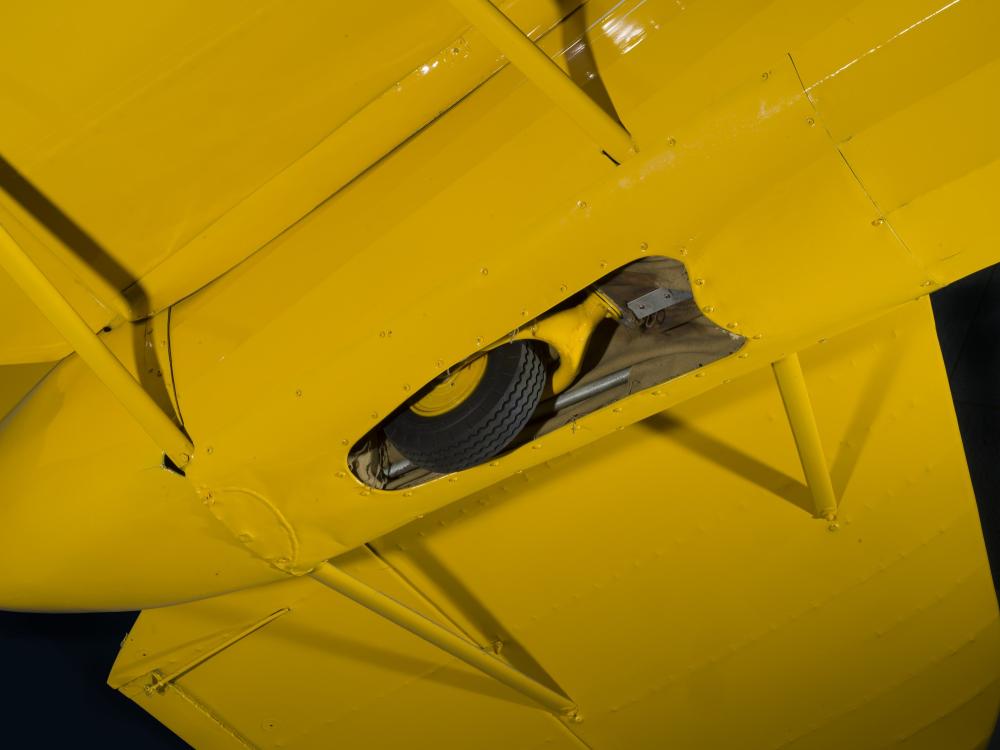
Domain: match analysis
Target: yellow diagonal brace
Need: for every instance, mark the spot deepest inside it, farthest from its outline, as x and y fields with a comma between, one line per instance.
x=549, y=77
x=160, y=681
x=792, y=385
x=161, y=428
x=401, y=615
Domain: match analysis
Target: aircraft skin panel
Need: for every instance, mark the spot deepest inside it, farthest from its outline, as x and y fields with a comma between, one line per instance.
x=86, y=497
x=286, y=219
x=908, y=137
x=186, y=137
x=778, y=232
x=749, y=605
x=16, y=381
x=326, y=674
x=217, y=186
x=742, y=182
x=209, y=86
x=694, y=601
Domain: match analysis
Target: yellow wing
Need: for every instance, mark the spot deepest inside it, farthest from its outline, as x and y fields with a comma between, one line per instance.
x=292, y=224
x=669, y=579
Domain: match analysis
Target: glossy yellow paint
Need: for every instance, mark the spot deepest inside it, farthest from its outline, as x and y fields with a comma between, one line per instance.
x=600, y=125
x=400, y=700
x=733, y=143
x=214, y=206
x=442, y=638
x=34, y=339
x=568, y=332
x=795, y=396
x=785, y=161
x=129, y=392
x=451, y=391
x=88, y=503
x=16, y=381
x=669, y=578
x=751, y=167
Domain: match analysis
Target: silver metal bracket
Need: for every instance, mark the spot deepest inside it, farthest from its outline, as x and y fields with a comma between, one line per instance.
x=652, y=302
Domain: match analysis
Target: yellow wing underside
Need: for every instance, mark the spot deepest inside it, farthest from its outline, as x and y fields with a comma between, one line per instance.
x=669, y=578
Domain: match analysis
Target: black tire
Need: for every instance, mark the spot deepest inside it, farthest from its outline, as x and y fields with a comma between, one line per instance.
x=482, y=425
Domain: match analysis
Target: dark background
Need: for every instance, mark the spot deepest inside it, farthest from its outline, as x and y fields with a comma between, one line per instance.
x=54, y=667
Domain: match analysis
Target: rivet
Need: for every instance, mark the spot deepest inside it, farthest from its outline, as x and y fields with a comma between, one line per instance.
x=408, y=493
x=494, y=463
x=643, y=246
x=699, y=282
x=726, y=381
x=765, y=75
x=282, y=561
x=757, y=336
x=619, y=428
x=374, y=415
x=562, y=287
x=927, y=283
x=699, y=374
x=878, y=222
x=708, y=309
x=671, y=141
x=245, y=538
x=452, y=479
x=536, y=446
x=479, y=340
x=732, y=326
x=744, y=355
x=810, y=121
x=439, y=363
x=345, y=441
x=406, y=386
x=210, y=450
x=365, y=493
x=603, y=264
x=484, y=271
x=455, y=50
x=656, y=393
x=340, y=475
x=524, y=313
x=581, y=204
x=821, y=341
x=298, y=392
x=617, y=410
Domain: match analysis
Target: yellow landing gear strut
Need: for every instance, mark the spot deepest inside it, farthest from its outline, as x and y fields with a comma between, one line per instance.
x=568, y=332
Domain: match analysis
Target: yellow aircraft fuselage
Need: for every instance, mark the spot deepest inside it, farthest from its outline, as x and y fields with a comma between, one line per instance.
x=814, y=167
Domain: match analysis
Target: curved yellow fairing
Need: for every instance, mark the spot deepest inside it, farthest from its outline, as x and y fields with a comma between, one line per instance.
x=326, y=204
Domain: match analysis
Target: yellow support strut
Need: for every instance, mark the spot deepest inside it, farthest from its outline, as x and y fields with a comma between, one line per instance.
x=548, y=76
x=161, y=428
x=398, y=614
x=792, y=385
